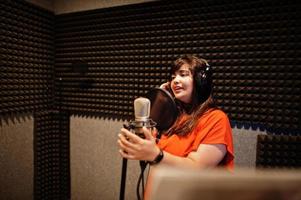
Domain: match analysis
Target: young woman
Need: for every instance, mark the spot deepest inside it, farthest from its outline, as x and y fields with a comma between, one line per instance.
x=201, y=137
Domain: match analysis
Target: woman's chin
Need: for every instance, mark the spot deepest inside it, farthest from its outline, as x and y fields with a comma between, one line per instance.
x=182, y=98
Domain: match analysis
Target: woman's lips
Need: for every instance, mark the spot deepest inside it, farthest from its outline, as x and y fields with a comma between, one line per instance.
x=177, y=89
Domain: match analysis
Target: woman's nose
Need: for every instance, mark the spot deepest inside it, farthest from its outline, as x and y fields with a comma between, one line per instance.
x=176, y=79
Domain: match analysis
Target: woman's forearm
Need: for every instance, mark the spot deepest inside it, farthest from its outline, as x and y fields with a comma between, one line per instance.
x=177, y=161
x=206, y=156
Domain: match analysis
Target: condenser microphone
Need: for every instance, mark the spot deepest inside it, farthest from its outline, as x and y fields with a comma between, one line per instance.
x=142, y=111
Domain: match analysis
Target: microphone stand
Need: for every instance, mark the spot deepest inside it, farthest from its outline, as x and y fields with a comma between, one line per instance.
x=132, y=126
x=123, y=179
x=123, y=173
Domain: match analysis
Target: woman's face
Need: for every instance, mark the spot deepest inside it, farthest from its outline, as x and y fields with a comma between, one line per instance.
x=182, y=84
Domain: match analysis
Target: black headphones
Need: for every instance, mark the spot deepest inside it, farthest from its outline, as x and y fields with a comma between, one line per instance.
x=203, y=81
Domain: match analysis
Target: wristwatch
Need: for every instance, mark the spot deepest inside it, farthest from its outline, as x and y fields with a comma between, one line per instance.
x=157, y=159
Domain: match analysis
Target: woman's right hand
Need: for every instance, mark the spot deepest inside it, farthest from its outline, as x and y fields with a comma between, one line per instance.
x=165, y=86
x=136, y=148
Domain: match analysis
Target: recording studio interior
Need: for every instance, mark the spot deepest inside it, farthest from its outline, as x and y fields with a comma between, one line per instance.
x=71, y=70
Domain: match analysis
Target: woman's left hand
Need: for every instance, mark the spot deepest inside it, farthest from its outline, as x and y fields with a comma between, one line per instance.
x=136, y=148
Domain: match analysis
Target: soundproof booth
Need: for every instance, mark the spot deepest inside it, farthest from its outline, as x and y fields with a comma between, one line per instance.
x=93, y=95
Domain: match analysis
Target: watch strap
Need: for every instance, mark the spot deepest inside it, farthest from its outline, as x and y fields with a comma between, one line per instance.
x=157, y=159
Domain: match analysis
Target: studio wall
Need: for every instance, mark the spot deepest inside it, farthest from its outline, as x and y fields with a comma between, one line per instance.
x=26, y=82
x=95, y=160
x=17, y=158
x=120, y=53
x=76, y=75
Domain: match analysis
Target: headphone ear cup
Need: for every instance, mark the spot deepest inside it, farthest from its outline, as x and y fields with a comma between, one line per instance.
x=203, y=79
x=200, y=78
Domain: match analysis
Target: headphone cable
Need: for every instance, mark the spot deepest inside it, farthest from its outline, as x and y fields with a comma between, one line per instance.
x=143, y=165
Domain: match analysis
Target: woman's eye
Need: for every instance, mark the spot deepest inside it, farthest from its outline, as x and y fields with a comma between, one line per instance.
x=181, y=74
x=184, y=74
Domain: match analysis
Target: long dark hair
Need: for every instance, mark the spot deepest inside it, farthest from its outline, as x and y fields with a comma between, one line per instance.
x=190, y=113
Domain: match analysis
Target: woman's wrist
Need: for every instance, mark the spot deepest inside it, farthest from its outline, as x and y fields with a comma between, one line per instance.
x=158, y=157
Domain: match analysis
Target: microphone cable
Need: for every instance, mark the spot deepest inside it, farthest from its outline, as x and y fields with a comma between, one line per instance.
x=143, y=165
x=140, y=183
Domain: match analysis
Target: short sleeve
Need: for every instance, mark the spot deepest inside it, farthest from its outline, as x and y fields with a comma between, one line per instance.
x=219, y=129
x=215, y=128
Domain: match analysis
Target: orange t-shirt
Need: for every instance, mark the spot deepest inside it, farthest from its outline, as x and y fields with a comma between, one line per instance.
x=213, y=128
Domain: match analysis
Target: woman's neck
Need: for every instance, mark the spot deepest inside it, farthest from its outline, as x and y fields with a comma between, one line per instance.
x=185, y=107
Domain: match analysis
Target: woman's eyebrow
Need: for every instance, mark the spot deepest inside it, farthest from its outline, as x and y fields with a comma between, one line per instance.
x=183, y=70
